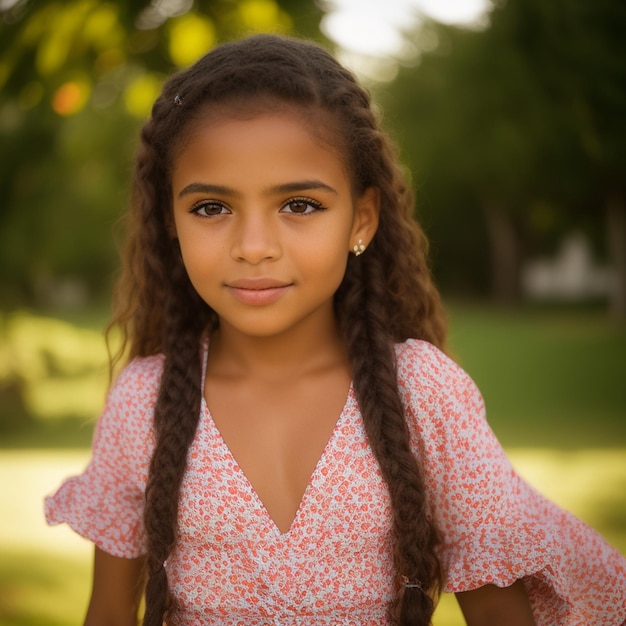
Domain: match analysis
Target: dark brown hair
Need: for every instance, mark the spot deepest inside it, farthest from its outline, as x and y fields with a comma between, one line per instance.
x=387, y=294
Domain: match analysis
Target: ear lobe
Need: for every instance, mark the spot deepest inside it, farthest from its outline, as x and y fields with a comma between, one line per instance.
x=366, y=215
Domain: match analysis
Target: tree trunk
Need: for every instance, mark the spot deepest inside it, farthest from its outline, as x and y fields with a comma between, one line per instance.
x=616, y=240
x=504, y=254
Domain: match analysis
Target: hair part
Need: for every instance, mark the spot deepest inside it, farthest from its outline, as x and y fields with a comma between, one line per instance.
x=387, y=294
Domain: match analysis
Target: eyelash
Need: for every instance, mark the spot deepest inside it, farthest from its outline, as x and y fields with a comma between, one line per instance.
x=308, y=202
x=208, y=204
x=205, y=204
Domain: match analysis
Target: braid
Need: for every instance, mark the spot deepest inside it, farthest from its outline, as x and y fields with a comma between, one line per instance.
x=375, y=382
x=164, y=315
x=175, y=420
x=388, y=296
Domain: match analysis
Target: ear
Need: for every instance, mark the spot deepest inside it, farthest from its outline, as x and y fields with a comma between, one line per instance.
x=366, y=215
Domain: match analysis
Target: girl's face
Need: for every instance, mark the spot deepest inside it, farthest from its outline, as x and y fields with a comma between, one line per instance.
x=265, y=216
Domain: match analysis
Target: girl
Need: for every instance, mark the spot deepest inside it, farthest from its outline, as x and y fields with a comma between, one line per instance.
x=288, y=444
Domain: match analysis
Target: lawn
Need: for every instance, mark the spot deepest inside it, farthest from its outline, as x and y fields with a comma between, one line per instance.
x=549, y=378
x=553, y=383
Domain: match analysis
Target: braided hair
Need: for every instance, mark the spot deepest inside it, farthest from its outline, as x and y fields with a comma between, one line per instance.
x=387, y=295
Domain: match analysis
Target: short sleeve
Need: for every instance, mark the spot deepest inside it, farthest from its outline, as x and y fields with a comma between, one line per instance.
x=495, y=528
x=105, y=503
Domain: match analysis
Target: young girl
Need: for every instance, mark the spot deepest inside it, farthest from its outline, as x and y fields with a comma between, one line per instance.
x=288, y=443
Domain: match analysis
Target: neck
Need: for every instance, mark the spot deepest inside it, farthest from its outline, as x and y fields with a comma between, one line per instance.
x=298, y=351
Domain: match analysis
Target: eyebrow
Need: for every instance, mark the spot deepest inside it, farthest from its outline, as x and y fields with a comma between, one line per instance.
x=294, y=187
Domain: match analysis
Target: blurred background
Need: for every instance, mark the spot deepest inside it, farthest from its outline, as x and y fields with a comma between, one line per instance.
x=509, y=116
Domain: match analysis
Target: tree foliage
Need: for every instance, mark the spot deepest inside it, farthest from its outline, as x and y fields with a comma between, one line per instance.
x=77, y=78
x=517, y=134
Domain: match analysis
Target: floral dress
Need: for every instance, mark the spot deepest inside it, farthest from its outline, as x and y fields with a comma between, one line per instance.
x=232, y=565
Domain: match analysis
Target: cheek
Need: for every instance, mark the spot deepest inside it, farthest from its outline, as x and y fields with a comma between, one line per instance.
x=329, y=261
x=199, y=256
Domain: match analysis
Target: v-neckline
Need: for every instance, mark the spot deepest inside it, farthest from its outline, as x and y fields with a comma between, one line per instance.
x=314, y=478
x=226, y=451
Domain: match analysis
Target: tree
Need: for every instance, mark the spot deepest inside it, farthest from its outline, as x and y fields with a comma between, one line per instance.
x=471, y=117
x=524, y=115
x=77, y=78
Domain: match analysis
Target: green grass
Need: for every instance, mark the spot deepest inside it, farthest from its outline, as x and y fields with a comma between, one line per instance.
x=549, y=378
x=42, y=590
x=57, y=434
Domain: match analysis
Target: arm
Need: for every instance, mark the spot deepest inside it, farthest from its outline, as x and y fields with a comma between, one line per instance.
x=116, y=591
x=493, y=606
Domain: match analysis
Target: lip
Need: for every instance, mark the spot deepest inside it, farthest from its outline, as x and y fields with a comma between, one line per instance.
x=257, y=291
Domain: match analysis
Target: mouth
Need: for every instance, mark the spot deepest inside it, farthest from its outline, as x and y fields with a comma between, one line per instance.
x=257, y=284
x=257, y=291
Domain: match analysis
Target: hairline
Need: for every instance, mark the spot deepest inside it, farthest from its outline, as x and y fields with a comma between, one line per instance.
x=322, y=124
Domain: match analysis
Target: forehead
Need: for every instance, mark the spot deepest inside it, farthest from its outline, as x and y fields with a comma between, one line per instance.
x=321, y=126
x=240, y=129
x=256, y=151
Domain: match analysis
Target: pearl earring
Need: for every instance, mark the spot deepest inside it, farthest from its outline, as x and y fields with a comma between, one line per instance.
x=359, y=248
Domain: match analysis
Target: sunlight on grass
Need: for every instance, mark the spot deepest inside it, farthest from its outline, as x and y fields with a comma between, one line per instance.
x=44, y=572
x=59, y=369
x=591, y=483
x=56, y=397
x=42, y=590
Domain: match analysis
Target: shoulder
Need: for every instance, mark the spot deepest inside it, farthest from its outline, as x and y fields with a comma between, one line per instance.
x=441, y=400
x=132, y=396
x=422, y=365
x=462, y=459
x=140, y=378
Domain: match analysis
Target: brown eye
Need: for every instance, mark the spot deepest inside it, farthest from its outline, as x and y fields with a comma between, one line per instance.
x=209, y=209
x=302, y=206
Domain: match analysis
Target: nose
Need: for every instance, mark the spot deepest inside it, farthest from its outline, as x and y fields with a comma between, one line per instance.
x=256, y=239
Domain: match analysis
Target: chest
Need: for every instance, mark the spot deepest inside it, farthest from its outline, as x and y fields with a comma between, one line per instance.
x=277, y=435
x=334, y=560
x=345, y=492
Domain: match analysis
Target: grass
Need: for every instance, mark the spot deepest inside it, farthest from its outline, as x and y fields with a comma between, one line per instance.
x=554, y=387
x=549, y=378
x=44, y=572
x=38, y=591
